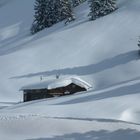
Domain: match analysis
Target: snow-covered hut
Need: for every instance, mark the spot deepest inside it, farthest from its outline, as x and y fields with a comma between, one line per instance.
x=56, y=87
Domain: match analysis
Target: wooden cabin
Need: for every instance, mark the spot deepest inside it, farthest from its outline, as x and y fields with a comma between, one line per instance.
x=52, y=88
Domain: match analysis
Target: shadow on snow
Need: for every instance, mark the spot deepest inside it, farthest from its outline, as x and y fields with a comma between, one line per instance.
x=120, y=59
x=119, y=91
x=120, y=134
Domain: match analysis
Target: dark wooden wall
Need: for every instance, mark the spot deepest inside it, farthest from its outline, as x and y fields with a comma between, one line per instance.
x=34, y=94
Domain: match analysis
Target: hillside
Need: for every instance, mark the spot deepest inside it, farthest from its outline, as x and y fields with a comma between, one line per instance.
x=103, y=52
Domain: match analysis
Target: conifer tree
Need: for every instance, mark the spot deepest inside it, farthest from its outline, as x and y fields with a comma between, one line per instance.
x=49, y=12
x=67, y=11
x=40, y=12
x=52, y=11
x=100, y=8
x=95, y=9
x=76, y=2
x=57, y=6
x=109, y=6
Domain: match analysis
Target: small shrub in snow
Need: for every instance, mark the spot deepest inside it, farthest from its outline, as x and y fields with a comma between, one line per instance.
x=139, y=42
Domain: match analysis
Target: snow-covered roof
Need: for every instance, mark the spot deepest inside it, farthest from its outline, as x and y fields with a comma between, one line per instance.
x=56, y=83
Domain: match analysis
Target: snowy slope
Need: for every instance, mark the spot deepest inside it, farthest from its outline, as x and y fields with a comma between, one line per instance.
x=42, y=128
x=119, y=102
x=102, y=52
